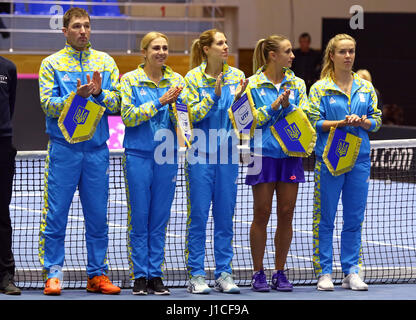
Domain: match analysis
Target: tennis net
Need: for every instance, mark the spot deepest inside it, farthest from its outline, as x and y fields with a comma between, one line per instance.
x=388, y=247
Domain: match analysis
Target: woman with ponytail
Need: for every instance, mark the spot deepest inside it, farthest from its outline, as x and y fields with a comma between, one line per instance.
x=210, y=89
x=341, y=99
x=276, y=91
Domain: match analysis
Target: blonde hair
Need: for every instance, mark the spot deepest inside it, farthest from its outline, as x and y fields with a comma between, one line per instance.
x=197, y=53
x=263, y=47
x=149, y=37
x=328, y=64
x=364, y=74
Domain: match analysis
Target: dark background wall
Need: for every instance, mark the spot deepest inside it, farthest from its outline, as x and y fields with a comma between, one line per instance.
x=29, y=119
x=387, y=48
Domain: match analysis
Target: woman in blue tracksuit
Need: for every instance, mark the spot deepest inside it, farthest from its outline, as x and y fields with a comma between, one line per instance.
x=275, y=91
x=150, y=181
x=343, y=100
x=210, y=89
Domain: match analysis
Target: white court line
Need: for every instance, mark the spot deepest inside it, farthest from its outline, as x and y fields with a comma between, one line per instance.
x=389, y=244
x=273, y=252
x=173, y=235
x=123, y=203
x=28, y=194
x=25, y=209
x=114, y=225
x=380, y=243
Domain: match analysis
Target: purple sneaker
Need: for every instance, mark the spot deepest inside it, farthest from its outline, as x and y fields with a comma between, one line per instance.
x=280, y=282
x=259, y=282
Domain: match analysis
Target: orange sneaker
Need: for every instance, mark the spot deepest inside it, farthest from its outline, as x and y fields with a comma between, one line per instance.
x=52, y=287
x=101, y=284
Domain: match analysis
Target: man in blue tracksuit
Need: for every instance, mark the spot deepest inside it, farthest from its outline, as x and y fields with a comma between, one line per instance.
x=93, y=75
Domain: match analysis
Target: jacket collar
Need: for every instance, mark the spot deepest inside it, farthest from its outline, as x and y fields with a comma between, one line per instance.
x=167, y=73
x=357, y=83
x=74, y=52
x=288, y=76
x=225, y=70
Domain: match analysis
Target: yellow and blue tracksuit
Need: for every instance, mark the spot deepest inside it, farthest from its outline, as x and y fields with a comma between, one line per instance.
x=83, y=165
x=328, y=102
x=264, y=93
x=150, y=184
x=210, y=178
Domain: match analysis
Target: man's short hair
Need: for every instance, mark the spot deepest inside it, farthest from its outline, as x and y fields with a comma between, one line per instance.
x=305, y=35
x=74, y=12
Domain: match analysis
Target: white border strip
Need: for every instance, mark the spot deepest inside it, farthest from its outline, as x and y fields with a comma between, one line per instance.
x=399, y=143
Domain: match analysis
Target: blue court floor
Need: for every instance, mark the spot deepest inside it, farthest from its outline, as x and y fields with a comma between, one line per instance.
x=375, y=292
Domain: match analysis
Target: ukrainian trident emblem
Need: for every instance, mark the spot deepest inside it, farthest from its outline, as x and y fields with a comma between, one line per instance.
x=342, y=148
x=293, y=131
x=80, y=115
x=79, y=118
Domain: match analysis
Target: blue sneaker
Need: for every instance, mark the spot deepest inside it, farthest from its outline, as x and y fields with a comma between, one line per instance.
x=259, y=282
x=280, y=282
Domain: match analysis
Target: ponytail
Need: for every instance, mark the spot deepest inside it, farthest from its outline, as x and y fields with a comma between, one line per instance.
x=196, y=56
x=258, y=56
x=197, y=53
x=263, y=47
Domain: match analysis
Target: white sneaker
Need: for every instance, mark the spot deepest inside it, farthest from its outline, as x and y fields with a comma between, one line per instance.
x=325, y=283
x=225, y=283
x=354, y=282
x=197, y=284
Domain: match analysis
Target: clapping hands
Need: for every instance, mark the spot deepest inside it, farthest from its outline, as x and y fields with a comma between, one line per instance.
x=171, y=95
x=92, y=87
x=283, y=100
